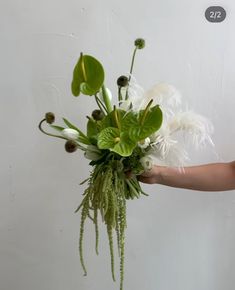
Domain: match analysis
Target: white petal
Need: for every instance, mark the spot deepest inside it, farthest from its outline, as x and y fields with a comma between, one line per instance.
x=92, y=152
x=70, y=134
x=147, y=162
x=144, y=143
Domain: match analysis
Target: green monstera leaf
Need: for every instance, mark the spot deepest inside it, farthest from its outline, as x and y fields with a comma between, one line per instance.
x=113, y=139
x=88, y=76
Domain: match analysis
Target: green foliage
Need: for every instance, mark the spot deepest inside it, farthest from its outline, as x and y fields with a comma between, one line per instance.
x=88, y=76
x=92, y=128
x=106, y=193
x=58, y=128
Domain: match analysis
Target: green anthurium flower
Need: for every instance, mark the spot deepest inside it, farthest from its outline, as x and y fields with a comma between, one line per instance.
x=142, y=125
x=113, y=139
x=88, y=76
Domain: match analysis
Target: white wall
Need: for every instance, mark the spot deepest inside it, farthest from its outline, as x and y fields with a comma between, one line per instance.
x=176, y=239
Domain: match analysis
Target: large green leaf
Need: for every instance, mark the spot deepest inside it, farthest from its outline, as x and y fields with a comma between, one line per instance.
x=88, y=76
x=111, y=138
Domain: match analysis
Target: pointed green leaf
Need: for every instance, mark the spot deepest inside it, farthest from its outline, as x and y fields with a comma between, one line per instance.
x=58, y=128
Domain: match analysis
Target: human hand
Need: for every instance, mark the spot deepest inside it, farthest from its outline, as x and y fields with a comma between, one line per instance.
x=150, y=177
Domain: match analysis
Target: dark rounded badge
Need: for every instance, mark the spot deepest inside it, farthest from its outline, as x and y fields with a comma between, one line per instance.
x=215, y=14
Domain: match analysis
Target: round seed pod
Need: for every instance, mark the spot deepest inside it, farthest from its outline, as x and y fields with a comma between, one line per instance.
x=97, y=115
x=50, y=117
x=140, y=43
x=70, y=146
x=122, y=81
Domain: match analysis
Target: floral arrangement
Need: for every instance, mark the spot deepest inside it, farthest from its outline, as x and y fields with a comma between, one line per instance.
x=137, y=132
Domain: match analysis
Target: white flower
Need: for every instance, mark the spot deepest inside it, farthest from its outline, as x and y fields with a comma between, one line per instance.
x=144, y=143
x=92, y=153
x=147, y=162
x=70, y=134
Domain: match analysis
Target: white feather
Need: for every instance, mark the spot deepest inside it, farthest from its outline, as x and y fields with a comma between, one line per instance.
x=195, y=126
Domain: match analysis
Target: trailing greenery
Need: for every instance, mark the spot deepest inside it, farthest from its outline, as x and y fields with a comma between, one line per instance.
x=107, y=191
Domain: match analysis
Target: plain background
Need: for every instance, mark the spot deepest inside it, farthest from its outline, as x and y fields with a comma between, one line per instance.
x=176, y=239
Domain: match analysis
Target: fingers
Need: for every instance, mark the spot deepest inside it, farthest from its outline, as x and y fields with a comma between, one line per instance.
x=146, y=179
x=128, y=174
x=146, y=173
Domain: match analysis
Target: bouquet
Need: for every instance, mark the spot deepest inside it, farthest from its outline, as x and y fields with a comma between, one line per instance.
x=132, y=135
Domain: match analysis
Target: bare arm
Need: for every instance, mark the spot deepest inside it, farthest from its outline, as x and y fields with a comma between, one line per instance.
x=208, y=177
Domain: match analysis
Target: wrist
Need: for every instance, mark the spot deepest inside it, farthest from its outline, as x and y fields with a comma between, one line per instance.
x=158, y=173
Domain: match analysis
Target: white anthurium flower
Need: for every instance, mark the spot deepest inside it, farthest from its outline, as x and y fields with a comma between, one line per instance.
x=143, y=144
x=70, y=134
x=92, y=153
x=147, y=162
